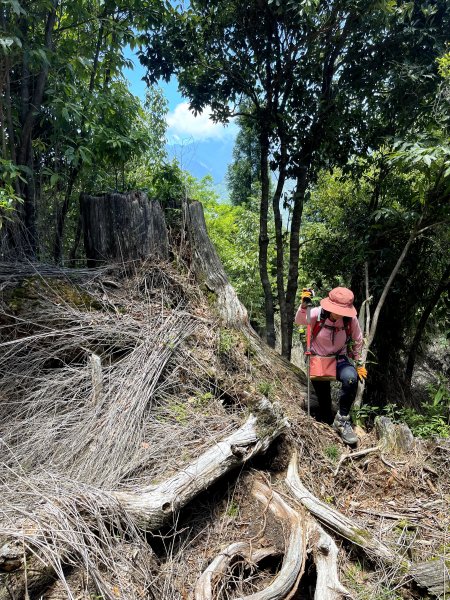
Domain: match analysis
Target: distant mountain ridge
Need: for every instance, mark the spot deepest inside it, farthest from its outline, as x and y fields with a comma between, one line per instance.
x=208, y=157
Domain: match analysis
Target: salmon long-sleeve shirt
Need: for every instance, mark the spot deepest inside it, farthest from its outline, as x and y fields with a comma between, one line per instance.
x=328, y=341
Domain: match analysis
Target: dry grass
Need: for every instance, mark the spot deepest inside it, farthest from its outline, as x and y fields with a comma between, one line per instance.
x=70, y=431
x=167, y=389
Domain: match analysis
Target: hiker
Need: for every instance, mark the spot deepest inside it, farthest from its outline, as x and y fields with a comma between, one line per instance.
x=335, y=331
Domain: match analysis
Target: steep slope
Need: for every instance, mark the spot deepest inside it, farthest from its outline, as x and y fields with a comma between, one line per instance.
x=146, y=443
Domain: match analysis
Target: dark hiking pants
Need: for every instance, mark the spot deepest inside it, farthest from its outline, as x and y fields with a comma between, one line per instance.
x=348, y=377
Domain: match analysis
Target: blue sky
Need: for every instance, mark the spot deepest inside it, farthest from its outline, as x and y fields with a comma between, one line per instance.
x=201, y=146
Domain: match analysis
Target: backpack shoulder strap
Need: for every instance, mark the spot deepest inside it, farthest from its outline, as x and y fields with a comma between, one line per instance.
x=320, y=322
x=348, y=328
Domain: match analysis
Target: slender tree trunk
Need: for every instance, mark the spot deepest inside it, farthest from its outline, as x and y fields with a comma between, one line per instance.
x=64, y=209
x=280, y=252
x=3, y=118
x=76, y=241
x=30, y=108
x=373, y=326
x=9, y=123
x=62, y=214
x=294, y=252
x=442, y=286
x=264, y=240
x=39, y=86
x=30, y=225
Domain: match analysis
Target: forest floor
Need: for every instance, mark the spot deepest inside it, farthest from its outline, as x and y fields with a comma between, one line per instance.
x=116, y=379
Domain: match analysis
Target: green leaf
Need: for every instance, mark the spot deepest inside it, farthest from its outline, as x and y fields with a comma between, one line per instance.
x=54, y=179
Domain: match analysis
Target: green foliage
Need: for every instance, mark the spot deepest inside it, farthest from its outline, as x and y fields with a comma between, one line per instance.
x=87, y=131
x=266, y=388
x=444, y=65
x=232, y=509
x=431, y=420
x=332, y=452
x=9, y=200
x=234, y=232
x=244, y=173
x=226, y=342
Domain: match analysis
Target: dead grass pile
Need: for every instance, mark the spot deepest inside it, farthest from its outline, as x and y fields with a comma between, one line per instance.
x=114, y=379
x=109, y=383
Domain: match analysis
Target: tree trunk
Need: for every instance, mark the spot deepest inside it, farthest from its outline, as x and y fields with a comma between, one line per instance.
x=285, y=349
x=29, y=110
x=264, y=241
x=76, y=241
x=294, y=252
x=442, y=286
x=373, y=326
x=62, y=214
x=123, y=227
x=209, y=268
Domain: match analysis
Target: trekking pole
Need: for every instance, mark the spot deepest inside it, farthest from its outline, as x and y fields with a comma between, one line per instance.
x=308, y=356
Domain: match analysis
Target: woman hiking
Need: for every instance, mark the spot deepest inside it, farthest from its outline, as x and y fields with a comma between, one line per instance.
x=335, y=332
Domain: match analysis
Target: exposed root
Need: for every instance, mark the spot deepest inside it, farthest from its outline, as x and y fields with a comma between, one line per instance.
x=204, y=590
x=328, y=585
x=336, y=521
x=154, y=506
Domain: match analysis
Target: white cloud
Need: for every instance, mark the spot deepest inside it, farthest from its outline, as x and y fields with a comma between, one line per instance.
x=183, y=124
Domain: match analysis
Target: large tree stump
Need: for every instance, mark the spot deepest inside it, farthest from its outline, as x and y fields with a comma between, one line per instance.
x=209, y=269
x=123, y=227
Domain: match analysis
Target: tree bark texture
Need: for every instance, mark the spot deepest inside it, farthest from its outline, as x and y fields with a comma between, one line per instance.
x=441, y=287
x=209, y=268
x=264, y=241
x=123, y=227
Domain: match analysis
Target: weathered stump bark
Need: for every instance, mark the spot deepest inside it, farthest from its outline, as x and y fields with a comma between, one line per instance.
x=395, y=438
x=209, y=269
x=123, y=227
x=434, y=576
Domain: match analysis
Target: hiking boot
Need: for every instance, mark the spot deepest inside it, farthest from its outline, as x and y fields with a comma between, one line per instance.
x=344, y=428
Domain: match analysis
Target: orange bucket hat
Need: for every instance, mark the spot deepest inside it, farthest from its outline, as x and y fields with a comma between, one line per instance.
x=340, y=302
